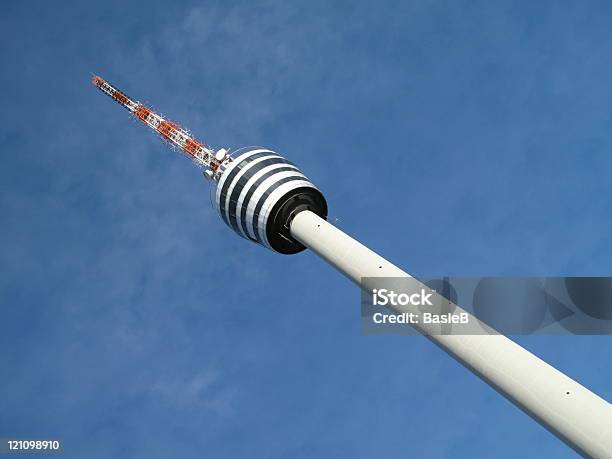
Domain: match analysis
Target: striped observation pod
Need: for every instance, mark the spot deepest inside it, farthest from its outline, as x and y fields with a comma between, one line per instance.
x=260, y=192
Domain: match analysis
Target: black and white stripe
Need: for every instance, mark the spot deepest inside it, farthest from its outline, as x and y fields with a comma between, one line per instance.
x=250, y=187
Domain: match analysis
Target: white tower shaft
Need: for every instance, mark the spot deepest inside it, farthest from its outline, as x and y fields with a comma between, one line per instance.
x=573, y=413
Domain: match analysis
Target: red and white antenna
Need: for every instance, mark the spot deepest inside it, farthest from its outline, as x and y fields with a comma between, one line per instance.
x=212, y=161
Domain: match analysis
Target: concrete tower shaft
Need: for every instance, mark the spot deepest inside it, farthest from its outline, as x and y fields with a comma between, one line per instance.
x=569, y=410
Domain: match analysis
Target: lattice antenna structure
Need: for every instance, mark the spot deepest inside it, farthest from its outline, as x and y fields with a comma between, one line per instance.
x=213, y=162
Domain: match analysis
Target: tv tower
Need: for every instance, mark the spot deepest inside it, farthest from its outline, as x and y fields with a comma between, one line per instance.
x=265, y=198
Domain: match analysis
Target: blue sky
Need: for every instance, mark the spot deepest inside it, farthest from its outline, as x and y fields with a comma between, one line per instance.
x=459, y=138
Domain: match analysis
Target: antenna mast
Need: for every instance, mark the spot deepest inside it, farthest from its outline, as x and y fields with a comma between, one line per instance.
x=213, y=162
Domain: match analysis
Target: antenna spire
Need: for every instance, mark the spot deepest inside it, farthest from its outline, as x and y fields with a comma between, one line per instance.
x=213, y=162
